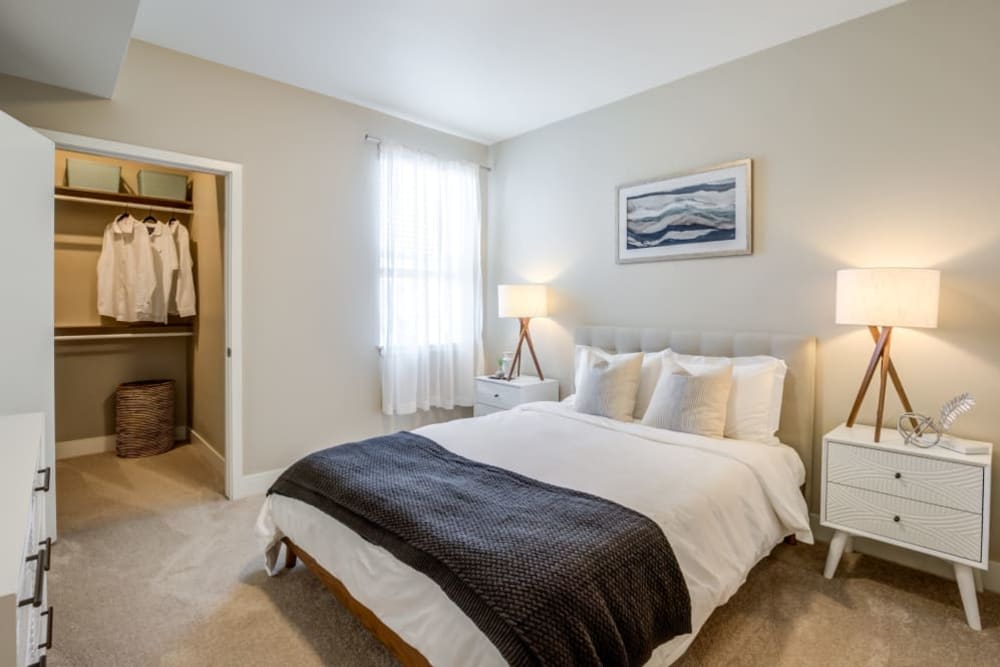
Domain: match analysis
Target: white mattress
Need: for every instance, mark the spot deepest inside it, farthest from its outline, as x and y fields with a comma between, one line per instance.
x=723, y=505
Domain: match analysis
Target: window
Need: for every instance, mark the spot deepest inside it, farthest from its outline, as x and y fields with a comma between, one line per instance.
x=430, y=282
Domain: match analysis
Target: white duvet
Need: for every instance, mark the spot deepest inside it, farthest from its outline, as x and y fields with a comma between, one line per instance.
x=723, y=505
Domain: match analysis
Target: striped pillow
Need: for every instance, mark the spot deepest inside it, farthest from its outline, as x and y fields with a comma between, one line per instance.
x=691, y=403
x=607, y=384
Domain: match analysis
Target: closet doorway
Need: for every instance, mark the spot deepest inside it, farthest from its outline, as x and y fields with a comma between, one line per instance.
x=196, y=345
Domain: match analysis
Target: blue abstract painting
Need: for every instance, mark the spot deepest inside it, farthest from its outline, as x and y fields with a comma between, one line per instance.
x=691, y=214
x=700, y=214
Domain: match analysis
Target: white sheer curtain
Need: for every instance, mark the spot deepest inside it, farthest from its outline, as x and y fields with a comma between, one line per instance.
x=430, y=280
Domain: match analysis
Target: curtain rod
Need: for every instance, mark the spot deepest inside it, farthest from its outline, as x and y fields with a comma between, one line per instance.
x=370, y=138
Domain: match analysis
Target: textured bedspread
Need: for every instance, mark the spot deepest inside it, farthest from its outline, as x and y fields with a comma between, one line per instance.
x=552, y=576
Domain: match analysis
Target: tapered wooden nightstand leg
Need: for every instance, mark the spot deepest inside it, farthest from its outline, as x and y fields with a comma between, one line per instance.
x=849, y=545
x=978, y=575
x=836, y=551
x=967, y=587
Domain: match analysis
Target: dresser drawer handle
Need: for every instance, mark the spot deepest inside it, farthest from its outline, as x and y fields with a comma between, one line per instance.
x=896, y=518
x=48, y=631
x=898, y=475
x=36, y=599
x=47, y=551
x=41, y=662
x=44, y=555
x=47, y=471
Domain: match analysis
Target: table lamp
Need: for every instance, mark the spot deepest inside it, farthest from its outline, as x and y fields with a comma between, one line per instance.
x=882, y=299
x=523, y=302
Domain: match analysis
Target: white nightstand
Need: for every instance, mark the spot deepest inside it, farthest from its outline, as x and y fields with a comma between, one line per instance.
x=494, y=395
x=934, y=501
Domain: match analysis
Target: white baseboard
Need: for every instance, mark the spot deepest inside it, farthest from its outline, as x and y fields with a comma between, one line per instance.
x=68, y=449
x=215, y=459
x=907, y=558
x=256, y=484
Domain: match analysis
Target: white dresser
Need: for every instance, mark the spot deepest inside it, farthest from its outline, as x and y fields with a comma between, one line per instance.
x=25, y=554
x=494, y=395
x=934, y=501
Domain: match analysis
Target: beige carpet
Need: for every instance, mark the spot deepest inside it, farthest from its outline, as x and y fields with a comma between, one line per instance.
x=155, y=567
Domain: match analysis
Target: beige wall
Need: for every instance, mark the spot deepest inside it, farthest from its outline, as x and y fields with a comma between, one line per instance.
x=208, y=361
x=310, y=278
x=874, y=143
x=87, y=374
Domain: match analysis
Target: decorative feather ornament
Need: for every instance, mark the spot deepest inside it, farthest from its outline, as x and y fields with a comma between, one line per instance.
x=955, y=408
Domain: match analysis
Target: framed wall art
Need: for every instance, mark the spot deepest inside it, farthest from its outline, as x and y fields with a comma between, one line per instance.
x=707, y=213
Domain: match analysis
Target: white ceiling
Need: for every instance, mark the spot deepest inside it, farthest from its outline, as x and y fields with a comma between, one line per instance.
x=484, y=69
x=77, y=45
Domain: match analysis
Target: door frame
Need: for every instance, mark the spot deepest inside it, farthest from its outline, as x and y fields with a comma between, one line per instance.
x=233, y=270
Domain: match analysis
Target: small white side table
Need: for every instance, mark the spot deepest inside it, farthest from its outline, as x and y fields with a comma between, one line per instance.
x=934, y=501
x=494, y=395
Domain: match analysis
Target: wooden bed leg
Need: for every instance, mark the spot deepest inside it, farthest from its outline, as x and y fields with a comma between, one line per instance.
x=791, y=541
x=290, y=558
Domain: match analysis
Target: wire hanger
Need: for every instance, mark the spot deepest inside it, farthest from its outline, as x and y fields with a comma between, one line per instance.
x=150, y=222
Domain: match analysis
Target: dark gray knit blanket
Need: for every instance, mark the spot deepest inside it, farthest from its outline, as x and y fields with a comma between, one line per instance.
x=550, y=575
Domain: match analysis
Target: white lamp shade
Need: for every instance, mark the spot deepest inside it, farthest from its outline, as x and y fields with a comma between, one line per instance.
x=888, y=297
x=522, y=300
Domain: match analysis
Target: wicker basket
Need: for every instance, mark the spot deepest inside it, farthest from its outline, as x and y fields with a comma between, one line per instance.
x=144, y=418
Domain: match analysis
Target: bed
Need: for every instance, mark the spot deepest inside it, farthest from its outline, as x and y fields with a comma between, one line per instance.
x=724, y=504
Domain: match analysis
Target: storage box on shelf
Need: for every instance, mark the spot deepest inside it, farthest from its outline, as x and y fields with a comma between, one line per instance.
x=91, y=175
x=162, y=185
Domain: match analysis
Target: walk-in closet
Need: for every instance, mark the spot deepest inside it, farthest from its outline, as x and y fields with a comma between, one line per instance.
x=139, y=311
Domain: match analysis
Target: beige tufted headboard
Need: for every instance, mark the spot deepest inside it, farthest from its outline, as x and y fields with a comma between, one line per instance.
x=799, y=352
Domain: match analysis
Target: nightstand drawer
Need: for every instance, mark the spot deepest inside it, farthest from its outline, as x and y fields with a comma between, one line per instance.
x=498, y=395
x=915, y=477
x=948, y=531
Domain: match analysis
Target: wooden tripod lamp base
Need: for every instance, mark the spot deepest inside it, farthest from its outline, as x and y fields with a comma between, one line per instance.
x=887, y=371
x=522, y=338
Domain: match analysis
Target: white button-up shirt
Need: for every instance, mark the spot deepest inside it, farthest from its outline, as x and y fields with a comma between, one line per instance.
x=164, y=249
x=126, y=276
x=182, y=294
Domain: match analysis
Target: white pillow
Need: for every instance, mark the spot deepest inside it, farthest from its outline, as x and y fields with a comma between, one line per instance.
x=754, y=411
x=607, y=384
x=691, y=403
x=652, y=366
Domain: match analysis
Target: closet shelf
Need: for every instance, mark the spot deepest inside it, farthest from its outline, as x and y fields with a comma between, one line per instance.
x=66, y=334
x=122, y=200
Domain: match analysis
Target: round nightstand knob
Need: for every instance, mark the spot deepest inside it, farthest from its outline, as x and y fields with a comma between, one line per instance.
x=898, y=475
x=896, y=518
x=496, y=395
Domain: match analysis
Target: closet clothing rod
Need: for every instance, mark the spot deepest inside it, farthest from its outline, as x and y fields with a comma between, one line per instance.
x=372, y=139
x=172, y=334
x=138, y=206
